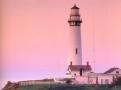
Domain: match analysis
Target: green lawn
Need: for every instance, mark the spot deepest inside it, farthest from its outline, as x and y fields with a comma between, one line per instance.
x=65, y=87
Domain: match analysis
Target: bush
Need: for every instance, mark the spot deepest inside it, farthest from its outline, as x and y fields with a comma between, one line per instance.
x=117, y=82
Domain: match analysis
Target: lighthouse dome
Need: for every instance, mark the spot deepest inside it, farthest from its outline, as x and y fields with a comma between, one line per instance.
x=74, y=7
x=75, y=11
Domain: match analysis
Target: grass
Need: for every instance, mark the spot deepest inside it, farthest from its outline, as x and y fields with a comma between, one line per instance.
x=65, y=87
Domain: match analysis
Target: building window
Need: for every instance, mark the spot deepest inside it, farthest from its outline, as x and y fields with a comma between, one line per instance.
x=117, y=72
x=90, y=81
x=106, y=81
x=102, y=81
x=81, y=71
x=74, y=74
x=76, y=51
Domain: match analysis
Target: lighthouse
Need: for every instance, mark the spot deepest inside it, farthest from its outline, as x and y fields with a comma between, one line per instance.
x=74, y=47
x=75, y=66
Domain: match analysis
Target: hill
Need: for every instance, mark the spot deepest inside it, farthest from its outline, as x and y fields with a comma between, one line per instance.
x=13, y=86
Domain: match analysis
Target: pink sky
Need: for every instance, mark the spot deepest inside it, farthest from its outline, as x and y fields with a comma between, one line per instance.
x=34, y=36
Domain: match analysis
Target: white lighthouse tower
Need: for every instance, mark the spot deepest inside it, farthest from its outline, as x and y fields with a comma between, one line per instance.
x=75, y=50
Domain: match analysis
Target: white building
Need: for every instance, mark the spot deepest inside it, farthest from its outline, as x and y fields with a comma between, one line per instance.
x=83, y=73
x=78, y=70
x=97, y=78
x=74, y=37
x=113, y=71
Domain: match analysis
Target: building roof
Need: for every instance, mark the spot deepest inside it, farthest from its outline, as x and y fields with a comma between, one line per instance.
x=10, y=86
x=43, y=80
x=74, y=7
x=78, y=67
x=111, y=70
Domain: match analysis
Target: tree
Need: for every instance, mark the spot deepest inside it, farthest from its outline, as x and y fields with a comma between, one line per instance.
x=68, y=81
x=117, y=81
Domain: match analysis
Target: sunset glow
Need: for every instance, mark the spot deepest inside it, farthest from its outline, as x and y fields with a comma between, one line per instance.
x=34, y=36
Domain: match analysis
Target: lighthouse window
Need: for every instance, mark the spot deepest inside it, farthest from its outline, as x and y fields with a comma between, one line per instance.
x=76, y=23
x=117, y=72
x=76, y=51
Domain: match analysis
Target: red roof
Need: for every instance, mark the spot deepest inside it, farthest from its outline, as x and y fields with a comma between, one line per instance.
x=74, y=7
x=78, y=67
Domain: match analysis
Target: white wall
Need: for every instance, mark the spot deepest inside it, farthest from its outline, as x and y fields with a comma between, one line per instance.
x=81, y=80
x=75, y=72
x=96, y=79
x=105, y=79
x=74, y=42
x=92, y=80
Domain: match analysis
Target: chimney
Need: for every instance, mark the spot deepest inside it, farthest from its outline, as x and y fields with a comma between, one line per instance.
x=71, y=63
x=87, y=63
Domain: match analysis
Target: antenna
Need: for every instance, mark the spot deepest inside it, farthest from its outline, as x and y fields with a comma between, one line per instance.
x=75, y=3
x=93, y=38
